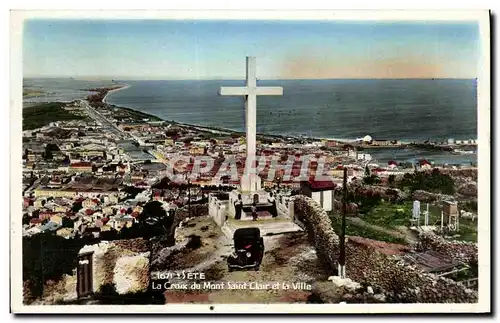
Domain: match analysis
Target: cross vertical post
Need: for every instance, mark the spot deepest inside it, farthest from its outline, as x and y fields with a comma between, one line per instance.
x=250, y=92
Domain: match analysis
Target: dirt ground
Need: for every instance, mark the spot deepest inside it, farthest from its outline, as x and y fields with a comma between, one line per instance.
x=289, y=261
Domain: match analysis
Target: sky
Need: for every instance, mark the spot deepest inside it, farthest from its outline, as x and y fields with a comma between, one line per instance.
x=204, y=49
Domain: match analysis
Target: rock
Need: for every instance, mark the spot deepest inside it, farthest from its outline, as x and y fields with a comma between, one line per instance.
x=468, y=189
x=131, y=274
x=379, y=297
x=369, y=290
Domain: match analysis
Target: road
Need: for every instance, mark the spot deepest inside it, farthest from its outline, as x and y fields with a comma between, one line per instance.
x=108, y=125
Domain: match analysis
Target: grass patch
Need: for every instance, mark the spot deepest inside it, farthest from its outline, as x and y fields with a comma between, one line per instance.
x=42, y=114
x=365, y=232
x=467, y=231
x=393, y=215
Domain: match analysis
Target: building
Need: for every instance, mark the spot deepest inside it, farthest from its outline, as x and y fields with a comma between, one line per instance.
x=320, y=191
x=424, y=164
x=382, y=142
x=80, y=167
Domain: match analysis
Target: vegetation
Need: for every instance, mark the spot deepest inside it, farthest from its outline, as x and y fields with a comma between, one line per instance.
x=467, y=231
x=434, y=182
x=49, y=149
x=393, y=215
x=391, y=180
x=32, y=93
x=48, y=256
x=42, y=114
x=353, y=229
x=371, y=179
x=470, y=206
x=139, y=114
x=365, y=202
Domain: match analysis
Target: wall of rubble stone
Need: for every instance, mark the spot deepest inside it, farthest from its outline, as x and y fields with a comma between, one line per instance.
x=401, y=282
x=462, y=251
x=319, y=228
x=131, y=274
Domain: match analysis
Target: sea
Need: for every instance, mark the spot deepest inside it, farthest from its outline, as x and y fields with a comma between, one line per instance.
x=399, y=109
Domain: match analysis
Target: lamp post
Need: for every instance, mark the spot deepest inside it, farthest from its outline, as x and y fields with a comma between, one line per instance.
x=341, y=271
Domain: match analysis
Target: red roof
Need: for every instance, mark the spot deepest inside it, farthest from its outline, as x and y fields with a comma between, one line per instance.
x=423, y=162
x=392, y=162
x=47, y=213
x=321, y=185
x=81, y=164
x=89, y=212
x=35, y=220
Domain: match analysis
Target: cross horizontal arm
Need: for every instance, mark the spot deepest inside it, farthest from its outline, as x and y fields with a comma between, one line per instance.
x=264, y=90
x=269, y=90
x=224, y=90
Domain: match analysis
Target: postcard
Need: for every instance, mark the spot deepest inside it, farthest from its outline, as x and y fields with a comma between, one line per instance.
x=258, y=162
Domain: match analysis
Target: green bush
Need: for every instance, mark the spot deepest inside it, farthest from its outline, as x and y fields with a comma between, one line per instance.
x=434, y=182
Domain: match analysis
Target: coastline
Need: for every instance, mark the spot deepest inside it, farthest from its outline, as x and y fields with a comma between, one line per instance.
x=125, y=86
x=298, y=139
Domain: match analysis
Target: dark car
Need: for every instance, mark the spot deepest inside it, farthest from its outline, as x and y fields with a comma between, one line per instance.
x=249, y=249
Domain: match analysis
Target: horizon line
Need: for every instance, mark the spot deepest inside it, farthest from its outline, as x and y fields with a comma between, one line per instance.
x=110, y=78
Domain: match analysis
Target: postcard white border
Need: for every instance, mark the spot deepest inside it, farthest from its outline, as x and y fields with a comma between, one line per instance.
x=484, y=135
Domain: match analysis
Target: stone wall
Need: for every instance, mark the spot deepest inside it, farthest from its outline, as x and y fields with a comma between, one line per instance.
x=462, y=251
x=400, y=282
x=131, y=274
x=319, y=227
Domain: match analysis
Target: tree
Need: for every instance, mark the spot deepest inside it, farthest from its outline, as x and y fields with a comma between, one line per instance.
x=48, y=256
x=371, y=179
x=367, y=171
x=391, y=179
x=48, y=153
x=52, y=147
x=66, y=160
x=76, y=207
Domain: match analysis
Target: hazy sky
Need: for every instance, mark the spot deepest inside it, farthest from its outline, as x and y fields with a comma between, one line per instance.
x=162, y=49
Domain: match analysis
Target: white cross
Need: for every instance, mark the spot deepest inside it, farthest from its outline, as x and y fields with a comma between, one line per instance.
x=250, y=91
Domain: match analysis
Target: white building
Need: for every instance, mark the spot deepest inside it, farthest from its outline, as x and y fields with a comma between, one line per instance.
x=321, y=192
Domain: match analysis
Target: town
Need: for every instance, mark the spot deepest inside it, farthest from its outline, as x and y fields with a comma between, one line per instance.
x=100, y=173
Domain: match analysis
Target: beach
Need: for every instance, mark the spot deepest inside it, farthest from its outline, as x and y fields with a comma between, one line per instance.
x=125, y=86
